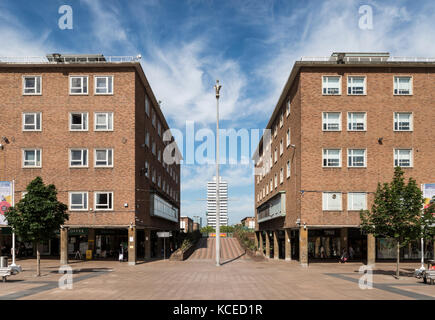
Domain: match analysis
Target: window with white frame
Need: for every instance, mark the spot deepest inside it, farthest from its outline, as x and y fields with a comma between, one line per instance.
x=276, y=181
x=332, y=157
x=103, y=121
x=281, y=147
x=32, y=158
x=288, y=137
x=356, y=85
x=159, y=156
x=159, y=129
x=281, y=120
x=331, y=201
x=331, y=85
x=32, y=121
x=159, y=181
x=271, y=162
x=32, y=85
x=264, y=192
x=275, y=132
x=276, y=155
x=402, y=85
x=103, y=157
x=154, y=148
x=288, y=107
x=154, y=176
x=402, y=121
x=78, y=201
x=331, y=121
x=267, y=190
x=356, y=121
x=78, y=121
x=271, y=184
x=288, y=169
x=147, y=105
x=78, y=158
x=403, y=157
x=103, y=85
x=356, y=201
x=356, y=157
x=153, y=118
x=281, y=175
x=78, y=85
x=103, y=200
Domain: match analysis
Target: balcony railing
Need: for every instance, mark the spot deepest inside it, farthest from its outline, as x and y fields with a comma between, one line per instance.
x=368, y=59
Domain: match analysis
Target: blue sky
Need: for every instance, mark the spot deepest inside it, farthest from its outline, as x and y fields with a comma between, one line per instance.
x=249, y=45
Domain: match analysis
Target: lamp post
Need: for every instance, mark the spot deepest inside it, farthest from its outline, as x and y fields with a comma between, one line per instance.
x=217, y=88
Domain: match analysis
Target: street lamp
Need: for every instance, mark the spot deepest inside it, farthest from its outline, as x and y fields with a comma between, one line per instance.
x=217, y=88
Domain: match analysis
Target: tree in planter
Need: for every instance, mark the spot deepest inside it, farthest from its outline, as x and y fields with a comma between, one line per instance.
x=396, y=213
x=37, y=216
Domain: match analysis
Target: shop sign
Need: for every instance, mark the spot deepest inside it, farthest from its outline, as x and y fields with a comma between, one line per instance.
x=164, y=234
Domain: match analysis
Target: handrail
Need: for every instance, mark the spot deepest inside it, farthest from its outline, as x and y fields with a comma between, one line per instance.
x=68, y=59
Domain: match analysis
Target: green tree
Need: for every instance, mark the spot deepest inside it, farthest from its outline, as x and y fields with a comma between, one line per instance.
x=38, y=215
x=396, y=212
x=208, y=229
x=227, y=229
x=428, y=221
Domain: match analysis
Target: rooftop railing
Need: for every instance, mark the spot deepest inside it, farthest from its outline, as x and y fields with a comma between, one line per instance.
x=69, y=59
x=368, y=59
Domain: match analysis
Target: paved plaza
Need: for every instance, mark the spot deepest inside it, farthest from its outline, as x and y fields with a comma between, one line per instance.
x=241, y=279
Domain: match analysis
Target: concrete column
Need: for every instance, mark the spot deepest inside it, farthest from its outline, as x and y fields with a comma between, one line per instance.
x=260, y=235
x=303, y=246
x=256, y=239
x=288, y=247
x=275, y=245
x=63, y=246
x=159, y=247
x=132, y=246
x=147, y=244
x=344, y=240
x=267, y=245
x=371, y=250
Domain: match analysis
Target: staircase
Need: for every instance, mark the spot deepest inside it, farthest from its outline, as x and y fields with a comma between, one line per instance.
x=206, y=249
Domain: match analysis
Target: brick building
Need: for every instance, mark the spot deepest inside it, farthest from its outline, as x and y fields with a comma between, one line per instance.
x=248, y=222
x=186, y=224
x=92, y=126
x=340, y=126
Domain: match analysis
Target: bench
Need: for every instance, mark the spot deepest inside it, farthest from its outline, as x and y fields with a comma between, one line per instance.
x=5, y=272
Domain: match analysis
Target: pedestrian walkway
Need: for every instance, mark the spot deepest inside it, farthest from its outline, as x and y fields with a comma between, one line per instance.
x=206, y=250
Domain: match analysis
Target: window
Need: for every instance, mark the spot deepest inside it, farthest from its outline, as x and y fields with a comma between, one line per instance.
x=78, y=85
x=147, y=105
x=147, y=174
x=159, y=181
x=103, y=121
x=402, y=121
x=288, y=169
x=332, y=201
x=159, y=156
x=276, y=155
x=275, y=133
x=288, y=107
x=281, y=176
x=271, y=162
x=32, y=121
x=356, y=85
x=267, y=190
x=103, y=200
x=356, y=121
x=332, y=157
x=78, y=201
x=147, y=139
x=281, y=120
x=154, y=119
x=104, y=85
x=271, y=184
x=288, y=137
x=78, y=121
x=356, y=201
x=154, y=176
x=281, y=148
x=159, y=129
x=402, y=85
x=331, y=121
x=103, y=157
x=331, y=85
x=276, y=181
x=356, y=157
x=32, y=85
x=32, y=158
x=403, y=157
x=154, y=148
x=78, y=158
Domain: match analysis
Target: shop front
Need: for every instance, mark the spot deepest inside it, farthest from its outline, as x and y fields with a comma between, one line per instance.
x=386, y=250
x=324, y=244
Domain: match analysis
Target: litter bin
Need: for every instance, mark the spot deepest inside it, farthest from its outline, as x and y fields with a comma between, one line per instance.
x=3, y=262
